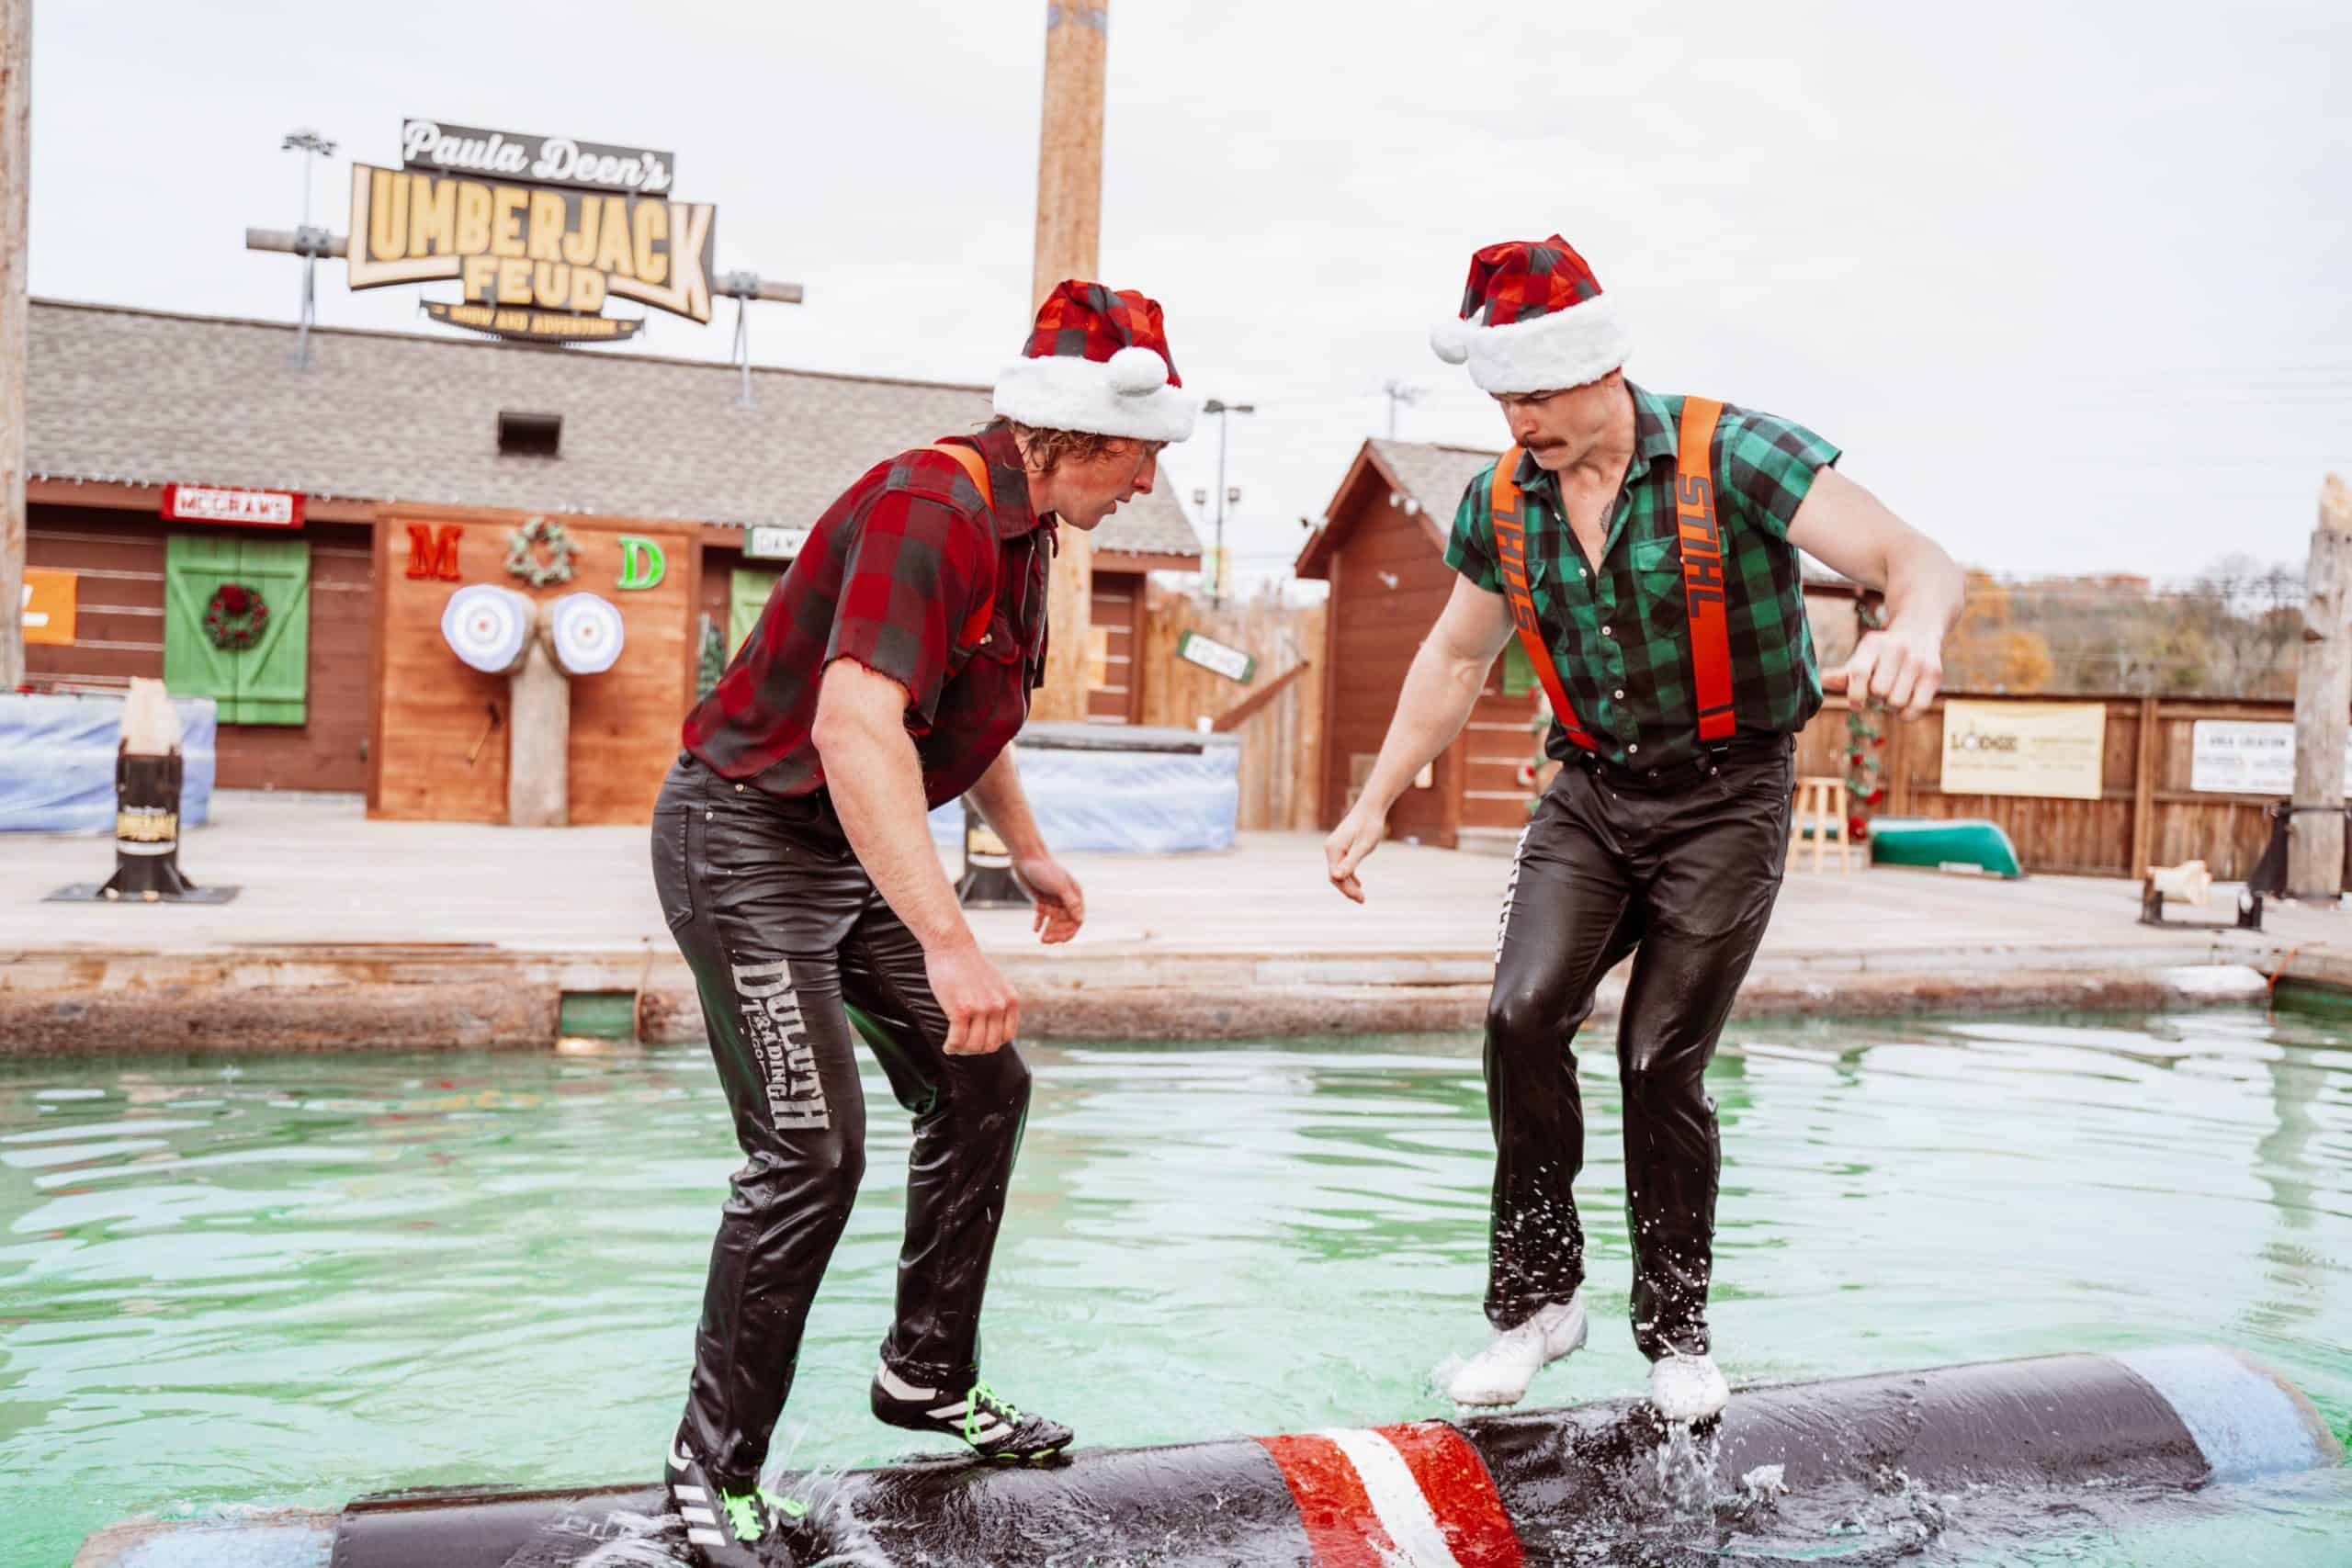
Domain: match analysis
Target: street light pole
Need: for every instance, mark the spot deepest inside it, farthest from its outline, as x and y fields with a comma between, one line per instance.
x=312, y=146
x=1221, y=407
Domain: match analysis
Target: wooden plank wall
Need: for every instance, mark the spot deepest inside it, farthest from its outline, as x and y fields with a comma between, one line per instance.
x=1388, y=583
x=119, y=633
x=432, y=710
x=1280, y=765
x=2147, y=813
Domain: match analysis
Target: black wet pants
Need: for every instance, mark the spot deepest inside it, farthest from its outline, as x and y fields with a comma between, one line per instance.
x=786, y=935
x=1682, y=874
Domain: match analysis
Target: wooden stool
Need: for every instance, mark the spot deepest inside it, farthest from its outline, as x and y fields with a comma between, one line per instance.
x=1820, y=810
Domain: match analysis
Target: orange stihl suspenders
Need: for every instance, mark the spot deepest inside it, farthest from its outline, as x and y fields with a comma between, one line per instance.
x=1701, y=546
x=976, y=626
x=1699, y=541
x=1511, y=549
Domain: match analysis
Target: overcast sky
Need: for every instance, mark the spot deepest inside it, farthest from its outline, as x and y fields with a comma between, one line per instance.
x=2071, y=289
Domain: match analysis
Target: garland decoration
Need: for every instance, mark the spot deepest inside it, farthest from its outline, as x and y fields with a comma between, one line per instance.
x=523, y=543
x=235, y=617
x=1865, y=738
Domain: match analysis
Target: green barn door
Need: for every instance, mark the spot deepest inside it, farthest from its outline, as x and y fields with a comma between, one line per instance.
x=747, y=594
x=263, y=685
x=274, y=675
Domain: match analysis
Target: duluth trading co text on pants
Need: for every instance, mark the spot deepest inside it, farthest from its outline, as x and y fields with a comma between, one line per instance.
x=786, y=935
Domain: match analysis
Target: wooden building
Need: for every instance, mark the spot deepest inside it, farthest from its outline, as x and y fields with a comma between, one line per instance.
x=1382, y=548
x=388, y=440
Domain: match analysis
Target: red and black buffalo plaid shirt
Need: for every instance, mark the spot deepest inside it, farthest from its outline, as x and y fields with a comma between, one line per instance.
x=890, y=577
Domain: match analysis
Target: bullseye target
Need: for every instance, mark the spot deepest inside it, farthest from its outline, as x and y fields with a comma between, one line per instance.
x=488, y=627
x=585, y=630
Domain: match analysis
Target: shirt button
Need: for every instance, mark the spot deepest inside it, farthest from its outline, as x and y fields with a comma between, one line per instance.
x=1634, y=748
x=1619, y=693
x=1607, y=632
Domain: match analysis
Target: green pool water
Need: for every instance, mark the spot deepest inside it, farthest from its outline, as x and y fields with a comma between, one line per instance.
x=289, y=1280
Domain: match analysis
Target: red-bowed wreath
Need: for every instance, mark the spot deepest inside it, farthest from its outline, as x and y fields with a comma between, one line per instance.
x=234, y=618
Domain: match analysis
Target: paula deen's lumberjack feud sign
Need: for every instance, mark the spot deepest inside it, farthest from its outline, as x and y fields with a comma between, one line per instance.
x=538, y=231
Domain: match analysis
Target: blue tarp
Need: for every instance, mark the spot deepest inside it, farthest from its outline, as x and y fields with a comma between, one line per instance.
x=1098, y=798
x=57, y=761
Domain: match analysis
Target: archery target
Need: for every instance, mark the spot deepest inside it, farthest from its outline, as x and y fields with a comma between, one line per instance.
x=487, y=626
x=586, y=631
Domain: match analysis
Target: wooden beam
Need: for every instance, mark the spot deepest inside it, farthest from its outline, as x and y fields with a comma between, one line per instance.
x=2143, y=788
x=1068, y=239
x=52, y=490
x=15, y=131
x=2322, y=688
x=1243, y=711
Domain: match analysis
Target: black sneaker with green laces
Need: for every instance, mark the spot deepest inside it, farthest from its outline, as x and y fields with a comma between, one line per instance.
x=729, y=1529
x=995, y=1428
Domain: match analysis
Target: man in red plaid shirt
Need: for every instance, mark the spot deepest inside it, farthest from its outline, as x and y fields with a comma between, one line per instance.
x=890, y=669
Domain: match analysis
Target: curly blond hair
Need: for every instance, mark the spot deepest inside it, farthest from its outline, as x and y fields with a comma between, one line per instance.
x=1049, y=449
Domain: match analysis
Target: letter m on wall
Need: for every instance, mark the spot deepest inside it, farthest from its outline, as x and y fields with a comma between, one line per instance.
x=432, y=552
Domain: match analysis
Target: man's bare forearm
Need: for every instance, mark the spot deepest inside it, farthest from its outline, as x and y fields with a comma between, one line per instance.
x=1005, y=805
x=1440, y=689
x=1923, y=585
x=888, y=822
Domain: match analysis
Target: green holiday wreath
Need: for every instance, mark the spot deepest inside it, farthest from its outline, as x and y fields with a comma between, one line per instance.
x=235, y=617
x=524, y=559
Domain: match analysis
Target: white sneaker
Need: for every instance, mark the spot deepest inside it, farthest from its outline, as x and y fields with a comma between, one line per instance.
x=1499, y=1373
x=1688, y=1388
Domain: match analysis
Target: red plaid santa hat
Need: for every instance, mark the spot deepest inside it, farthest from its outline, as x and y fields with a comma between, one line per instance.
x=1533, y=320
x=1098, y=361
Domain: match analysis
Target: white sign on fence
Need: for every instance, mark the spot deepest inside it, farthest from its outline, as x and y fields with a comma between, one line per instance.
x=2229, y=756
x=765, y=543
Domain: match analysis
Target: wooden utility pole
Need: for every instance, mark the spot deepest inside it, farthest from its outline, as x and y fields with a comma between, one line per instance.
x=2322, y=698
x=1069, y=237
x=16, y=168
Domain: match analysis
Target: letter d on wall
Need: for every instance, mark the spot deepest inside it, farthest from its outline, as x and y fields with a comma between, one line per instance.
x=641, y=562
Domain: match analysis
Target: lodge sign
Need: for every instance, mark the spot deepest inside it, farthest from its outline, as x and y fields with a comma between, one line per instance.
x=252, y=508
x=539, y=159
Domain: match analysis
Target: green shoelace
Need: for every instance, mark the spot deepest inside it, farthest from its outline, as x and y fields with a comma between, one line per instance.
x=983, y=1393
x=743, y=1511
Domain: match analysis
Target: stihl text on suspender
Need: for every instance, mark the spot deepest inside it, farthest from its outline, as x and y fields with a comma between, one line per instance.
x=1701, y=541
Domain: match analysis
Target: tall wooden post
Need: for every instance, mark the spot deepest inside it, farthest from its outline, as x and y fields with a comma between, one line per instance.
x=2322, y=698
x=16, y=168
x=1069, y=236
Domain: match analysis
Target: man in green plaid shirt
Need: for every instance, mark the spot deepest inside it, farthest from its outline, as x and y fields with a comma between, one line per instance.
x=1665, y=833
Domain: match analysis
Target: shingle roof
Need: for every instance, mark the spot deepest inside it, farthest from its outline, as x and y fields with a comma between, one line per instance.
x=1435, y=475
x=141, y=397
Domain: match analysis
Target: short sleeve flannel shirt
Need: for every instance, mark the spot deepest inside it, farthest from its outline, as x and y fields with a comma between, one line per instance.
x=1619, y=634
x=890, y=577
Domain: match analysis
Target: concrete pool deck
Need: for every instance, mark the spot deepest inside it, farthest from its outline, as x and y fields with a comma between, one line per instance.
x=352, y=933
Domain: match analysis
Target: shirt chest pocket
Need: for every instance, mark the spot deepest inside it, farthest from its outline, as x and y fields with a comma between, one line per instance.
x=1657, y=583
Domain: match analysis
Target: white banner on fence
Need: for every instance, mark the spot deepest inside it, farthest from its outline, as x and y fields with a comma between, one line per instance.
x=2229, y=756
x=2048, y=750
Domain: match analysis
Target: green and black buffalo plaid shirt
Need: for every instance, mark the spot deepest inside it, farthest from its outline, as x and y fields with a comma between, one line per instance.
x=1622, y=640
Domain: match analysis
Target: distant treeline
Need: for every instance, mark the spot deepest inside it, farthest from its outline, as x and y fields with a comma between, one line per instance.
x=2229, y=631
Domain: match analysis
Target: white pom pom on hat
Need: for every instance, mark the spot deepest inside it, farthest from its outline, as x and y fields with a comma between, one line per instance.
x=1135, y=371
x=1450, y=338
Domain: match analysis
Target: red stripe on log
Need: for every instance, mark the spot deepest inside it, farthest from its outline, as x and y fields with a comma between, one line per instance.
x=1460, y=1493
x=1332, y=1503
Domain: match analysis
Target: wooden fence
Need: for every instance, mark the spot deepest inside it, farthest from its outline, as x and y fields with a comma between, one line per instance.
x=1278, y=716
x=2147, y=813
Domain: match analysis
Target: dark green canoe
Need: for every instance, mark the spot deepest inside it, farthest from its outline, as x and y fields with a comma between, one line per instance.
x=1934, y=842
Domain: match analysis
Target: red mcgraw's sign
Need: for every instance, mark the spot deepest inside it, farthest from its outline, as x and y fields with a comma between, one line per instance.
x=251, y=508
